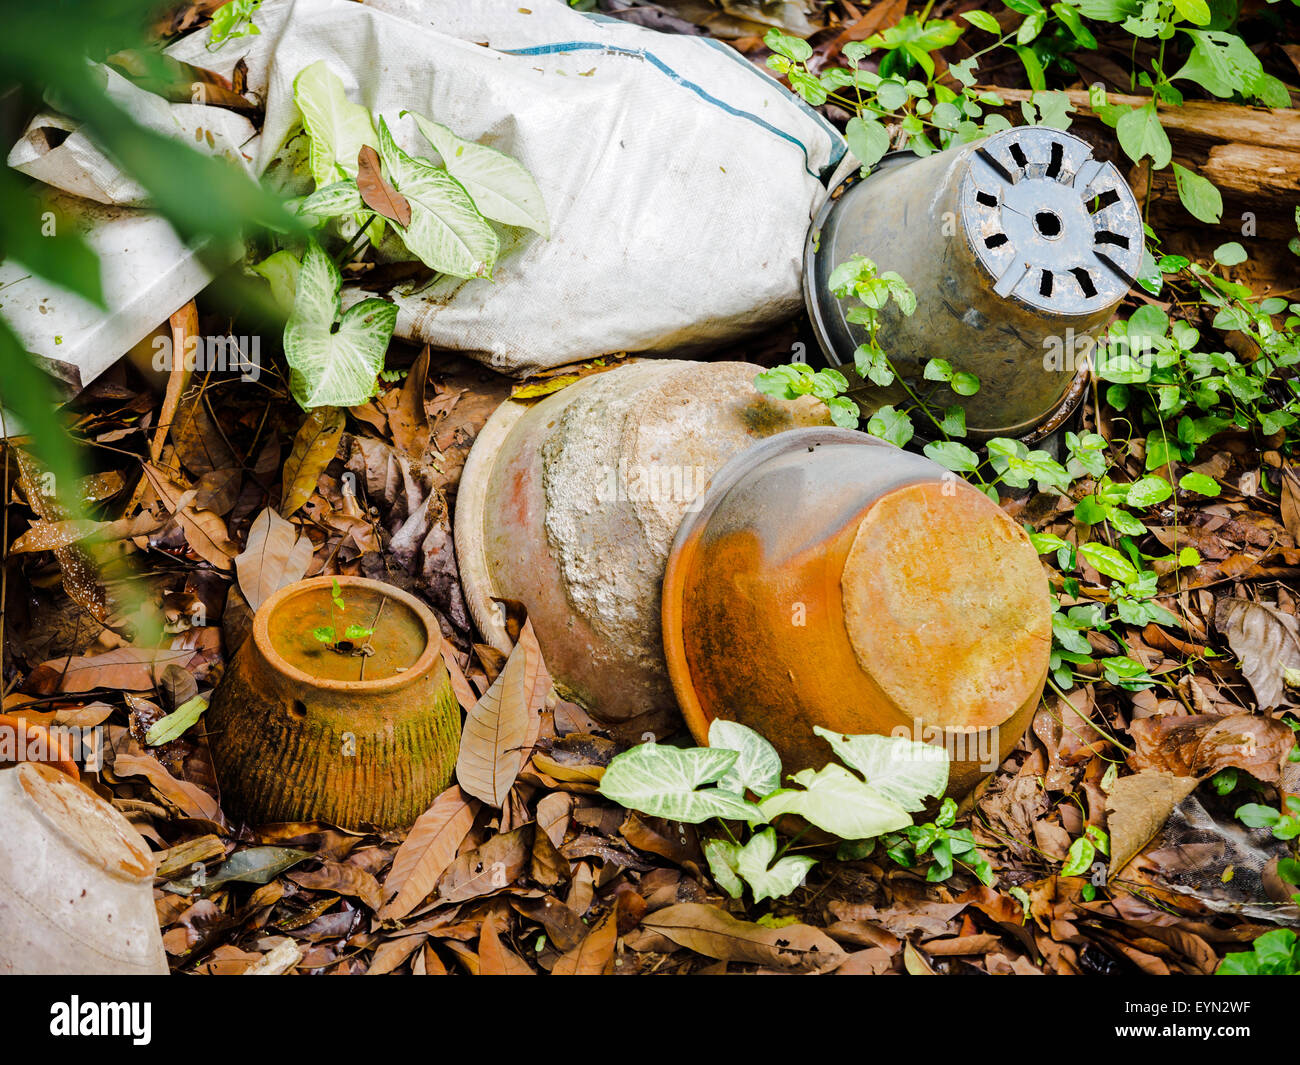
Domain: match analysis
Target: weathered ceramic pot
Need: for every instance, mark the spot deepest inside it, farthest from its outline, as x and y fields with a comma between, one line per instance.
x=24, y=741
x=301, y=732
x=1018, y=248
x=830, y=579
x=76, y=881
x=569, y=505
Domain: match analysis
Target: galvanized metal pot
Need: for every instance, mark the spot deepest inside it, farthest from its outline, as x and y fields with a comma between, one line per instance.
x=76, y=881
x=569, y=505
x=828, y=578
x=300, y=732
x=1018, y=248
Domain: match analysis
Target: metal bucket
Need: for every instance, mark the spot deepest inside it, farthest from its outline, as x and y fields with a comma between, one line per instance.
x=570, y=504
x=1018, y=248
x=828, y=578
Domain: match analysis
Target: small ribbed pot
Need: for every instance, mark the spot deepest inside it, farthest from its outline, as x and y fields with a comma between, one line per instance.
x=831, y=579
x=296, y=736
x=76, y=882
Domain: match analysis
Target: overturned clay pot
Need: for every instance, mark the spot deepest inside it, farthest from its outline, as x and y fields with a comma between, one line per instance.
x=301, y=732
x=76, y=881
x=569, y=505
x=830, y=579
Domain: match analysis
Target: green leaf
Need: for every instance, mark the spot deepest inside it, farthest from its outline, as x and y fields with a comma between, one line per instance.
x=1148, y=491
x=664, y=781
x=867, y=138
x=329, y=201
x=447, y=232
x=334, y=361
x=1230, y=254
x=757, y=767
x=1200, y=483
x=891, y=425
x=174, y=725
x=337, y=129
x=1033, y=67
x=753, y=862
x=500, y=186
x=903, y=770
x=1199, y=195
x=1195, y=11
x=952, y=456
x=836, y=801
x=965, y=384
x=984, y=21
x=281, y=272
x=323, y=634
x=1079, y=859
x=723, y=857
x=228, y=21
x=1109, y=562
x=1140, y=134
x=252, y=865
x=59, y=254
x=1222, y=64
x=1254, y=815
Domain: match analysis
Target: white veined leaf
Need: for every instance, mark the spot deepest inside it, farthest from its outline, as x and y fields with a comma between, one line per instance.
x=447, y=232
x=500, y=186
x=662, y=781
x=722, y=856
x=329, y=201
x=836, y=801
x=336, y=127
x=902, y=770
x=758, y=767
x=333, y=367
x=770, y=883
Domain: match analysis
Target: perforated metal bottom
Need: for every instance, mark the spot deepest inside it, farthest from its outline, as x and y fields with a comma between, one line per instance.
x=1052, y=225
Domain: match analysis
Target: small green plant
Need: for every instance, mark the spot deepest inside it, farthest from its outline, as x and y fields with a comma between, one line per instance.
x=370, y=194
x=232, y=20
x=695, y=785
x=941, y=843
x=1275, y=953
x=328, y=634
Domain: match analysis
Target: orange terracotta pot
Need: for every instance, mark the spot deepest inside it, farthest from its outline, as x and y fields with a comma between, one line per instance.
x=831, y=579
x=301, y=732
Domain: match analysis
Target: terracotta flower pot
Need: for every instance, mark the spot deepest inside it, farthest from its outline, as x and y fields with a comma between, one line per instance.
x=302, y=732
x=76, y=881
x=569, y=505
x=830, y=579
x=29, y=742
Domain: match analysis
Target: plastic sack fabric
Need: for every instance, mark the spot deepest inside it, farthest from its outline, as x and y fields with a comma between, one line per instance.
x=679, y=179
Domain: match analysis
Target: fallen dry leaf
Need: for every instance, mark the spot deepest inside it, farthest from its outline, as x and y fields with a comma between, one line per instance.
x=274, y=556
x=376, y=192
x=428, y=849
x=1264, y=640
x=313, y=447
x=594, y=956
x=715, y=934
x=502, y=726
x=1137, y=808
x=1200, y=744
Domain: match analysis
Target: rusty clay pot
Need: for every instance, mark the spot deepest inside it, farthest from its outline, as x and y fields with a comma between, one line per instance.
x=831, y=579
x=1018, y=248
x=300, y=732
x=76, y=881
x=569, y=505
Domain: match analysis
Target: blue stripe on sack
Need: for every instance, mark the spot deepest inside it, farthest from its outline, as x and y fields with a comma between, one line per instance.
x=640, y=53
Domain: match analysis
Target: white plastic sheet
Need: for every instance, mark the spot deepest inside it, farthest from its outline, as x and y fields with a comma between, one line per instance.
x=679, y=179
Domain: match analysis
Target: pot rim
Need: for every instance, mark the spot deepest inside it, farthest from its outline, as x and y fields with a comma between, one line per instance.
x=681, y=555
x=471, y=516
x=272, y=657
